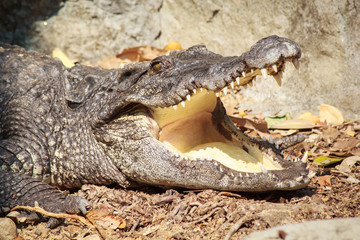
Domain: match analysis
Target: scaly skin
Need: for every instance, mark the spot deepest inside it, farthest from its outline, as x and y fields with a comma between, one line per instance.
x=69, y=127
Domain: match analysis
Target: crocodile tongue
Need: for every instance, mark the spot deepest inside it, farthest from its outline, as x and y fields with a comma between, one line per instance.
x=195, y=132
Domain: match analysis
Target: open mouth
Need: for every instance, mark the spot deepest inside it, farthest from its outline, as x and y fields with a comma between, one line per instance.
x=199, y=129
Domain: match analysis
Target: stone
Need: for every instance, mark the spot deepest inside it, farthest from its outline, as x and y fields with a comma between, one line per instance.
x=7, y=229
x=340, y=228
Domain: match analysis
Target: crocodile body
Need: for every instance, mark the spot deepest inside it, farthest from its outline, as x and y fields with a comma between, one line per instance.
x=159, y=123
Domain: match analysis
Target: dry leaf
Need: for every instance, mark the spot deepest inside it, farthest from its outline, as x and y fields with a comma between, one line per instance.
x=172, y=46
x=112, y=62
x=348, y=163
x=57, y=53
x=104, y=217
x=140, y=54
x=309, y=117
x=331, y=114
x=249, y=124
x=345, y=144
x=324, y=180
x=294, y=124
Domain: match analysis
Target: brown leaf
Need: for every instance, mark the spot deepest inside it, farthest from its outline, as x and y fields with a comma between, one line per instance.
x=141, y=53
x=324, y=180
x=104, y=218
x=112, y=62
x=345, y=144
x=249, y=124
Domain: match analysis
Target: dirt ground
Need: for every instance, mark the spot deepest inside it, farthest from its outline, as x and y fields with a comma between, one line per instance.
x=153, y=213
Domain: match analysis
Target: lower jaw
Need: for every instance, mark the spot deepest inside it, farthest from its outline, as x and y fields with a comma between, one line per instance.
x=202, y=137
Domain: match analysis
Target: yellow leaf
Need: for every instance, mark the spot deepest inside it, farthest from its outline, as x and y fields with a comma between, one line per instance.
x=294, y=124
x=324, y=161
x=242, y=114
x=309, y=117
x=57, y=53
x=350, y=133
x=173, y=46
x=331, y=114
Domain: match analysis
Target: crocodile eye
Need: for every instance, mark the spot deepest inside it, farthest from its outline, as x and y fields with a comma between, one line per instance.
x=157, y=66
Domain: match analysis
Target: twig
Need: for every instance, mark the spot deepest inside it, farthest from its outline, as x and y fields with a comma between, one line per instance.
x=81, y=219
x=230, y=194
x=55, y=215
x=207, y=215
x=236, y=227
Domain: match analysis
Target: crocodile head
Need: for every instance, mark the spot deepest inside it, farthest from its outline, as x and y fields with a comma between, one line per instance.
x=171, y=129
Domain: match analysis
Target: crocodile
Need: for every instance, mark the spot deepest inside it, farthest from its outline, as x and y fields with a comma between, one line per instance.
x=159, y=123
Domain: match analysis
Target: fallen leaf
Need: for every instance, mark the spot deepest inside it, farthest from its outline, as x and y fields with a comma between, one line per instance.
x=112, y=62
x=173, y=46
x=141, y=53
x=285, y=133
x=351, y=179
x=348, y=163
x=274, y=120
x=331, y=114
x=294, y=124
x=104, y=218
x=308, y=116
x=346, y=144
x=249, y=124
x=57, y=53
x=324, y=161
x=324, y=180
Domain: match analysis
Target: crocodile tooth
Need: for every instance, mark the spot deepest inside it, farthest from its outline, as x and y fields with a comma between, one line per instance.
x=243, y=74
x=188, y=97
x=305, y=157
x=238, y=81
x=288, y=158
x=277, y=78
x=225, y=89
x=177, y=155
x=271, y=140
x=292, y=184
x=186, y=158
x=209, y=157
x=232, y=84
x=264, y=138
x=277, y=146
x=274, y=67
x=264, y=72
x=217, y=94
x=311, y=174
x=299, y=179
x=252, y=70
x=263, y=169
x=247, y=175
x=201, y=89
x=182, y=103
x=296, y=63
x=201, y=158
x=174, y=107
x=194, y=90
